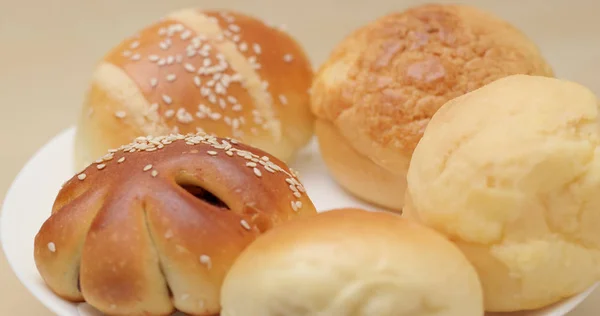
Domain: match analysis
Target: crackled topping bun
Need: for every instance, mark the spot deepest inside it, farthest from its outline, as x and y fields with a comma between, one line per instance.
x=221, y=72
x=511, y=172
x=380, y=86
x=350, y=262
x=155, y=225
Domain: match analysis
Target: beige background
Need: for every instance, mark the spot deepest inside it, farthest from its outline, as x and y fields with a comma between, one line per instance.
x=48, y=48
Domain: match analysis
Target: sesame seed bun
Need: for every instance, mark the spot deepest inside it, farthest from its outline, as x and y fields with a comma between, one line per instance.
x=220, y=72
x=352, y=262
x=511, y=173
x=154, y=225
x=380, y=86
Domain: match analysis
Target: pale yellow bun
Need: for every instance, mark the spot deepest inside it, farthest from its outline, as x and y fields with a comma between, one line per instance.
x=511, y=173
x=381, y=85
x=154, y=225
x=350, y=262
x=221, y=72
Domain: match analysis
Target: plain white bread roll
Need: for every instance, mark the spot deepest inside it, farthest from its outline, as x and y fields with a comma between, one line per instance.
x=350, y=262
x=511, y=173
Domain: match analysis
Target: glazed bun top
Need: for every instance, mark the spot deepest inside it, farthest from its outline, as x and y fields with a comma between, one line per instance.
x=154, y=225
x=381, y=84
x=220, y=72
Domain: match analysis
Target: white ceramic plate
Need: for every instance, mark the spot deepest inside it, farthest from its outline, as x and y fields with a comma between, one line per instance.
x=29, y=201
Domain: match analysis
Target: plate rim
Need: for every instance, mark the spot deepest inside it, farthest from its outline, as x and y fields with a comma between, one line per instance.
x=8, y=197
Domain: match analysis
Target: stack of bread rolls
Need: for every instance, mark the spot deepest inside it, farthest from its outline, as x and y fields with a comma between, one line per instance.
x=444, y=115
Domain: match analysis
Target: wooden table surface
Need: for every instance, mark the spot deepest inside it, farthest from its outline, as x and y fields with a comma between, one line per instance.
x=48, y=48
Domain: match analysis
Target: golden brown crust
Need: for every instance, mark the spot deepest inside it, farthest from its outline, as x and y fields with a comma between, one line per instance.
x=224, y=73
x=383, y=83
x=156, y=224
x=356, y=173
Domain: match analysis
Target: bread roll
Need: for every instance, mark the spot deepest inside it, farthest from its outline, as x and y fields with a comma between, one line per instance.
x=380, y=86
x=155, y=225
x=222, y=72
x=350, y=262
x=511, y=172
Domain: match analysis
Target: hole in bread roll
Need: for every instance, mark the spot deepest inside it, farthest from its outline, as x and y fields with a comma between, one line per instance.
x=204, y=195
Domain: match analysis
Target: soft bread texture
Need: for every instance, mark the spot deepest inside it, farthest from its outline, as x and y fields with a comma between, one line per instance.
x=511, y=173
x=220, y=72
x=350, y=262
x=155, y=225
x=381, y=85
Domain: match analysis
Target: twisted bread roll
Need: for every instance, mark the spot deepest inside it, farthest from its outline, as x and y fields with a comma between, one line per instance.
x=350, y=262
x=224, y=73
x=377, y=91
x=156, y=224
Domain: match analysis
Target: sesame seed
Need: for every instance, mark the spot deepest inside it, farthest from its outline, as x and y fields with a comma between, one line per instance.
x=154, y=173
x=212, y=152
x=257, y=172
x=251, y=164
x=81, y=176
x=189, y=67
x=100, y=166
x=245, y=224
x=163, y=45
x=294, y=207
x=283, y=99
x=51, y=247
x=153, y=58
x=147, y=167
x=121, y=159
x=234, y=28
x=169, y=113
x=120, y=114
x=288, y=58
x=134, y=45
x=229, y=153
x=167, y=99
x=243, y=47
x=205, y=260
x=256, y=48
x=161, y=62
x=171, y=77
x=237, y=108
x=197, y=81
x=170, y=59
x=185, y=35
x=264, y=158
x=298, y=204
x=153, y=82
x=136, y=57
x=206, y=62
x=236, y=38
x=126, y=53
x=297, y=194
